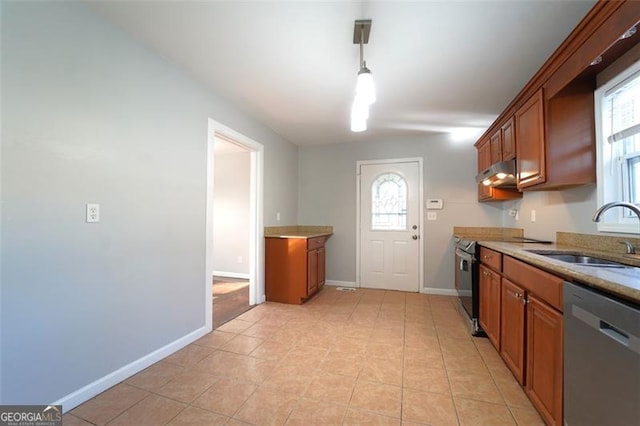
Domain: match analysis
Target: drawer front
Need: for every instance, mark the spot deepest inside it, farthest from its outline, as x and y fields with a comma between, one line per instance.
x=491, y=258
x=546, y=286
x=315, y=243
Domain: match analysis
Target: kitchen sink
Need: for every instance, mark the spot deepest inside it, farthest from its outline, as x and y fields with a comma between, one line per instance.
x=579, y=259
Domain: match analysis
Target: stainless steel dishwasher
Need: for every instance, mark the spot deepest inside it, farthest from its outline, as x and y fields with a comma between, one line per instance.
x=601, y=359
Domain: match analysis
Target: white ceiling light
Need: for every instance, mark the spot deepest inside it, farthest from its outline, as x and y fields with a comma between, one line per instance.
x=365, y=87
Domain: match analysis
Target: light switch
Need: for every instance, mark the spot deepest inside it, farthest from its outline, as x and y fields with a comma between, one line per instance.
x=93, y=213
x=533, y=215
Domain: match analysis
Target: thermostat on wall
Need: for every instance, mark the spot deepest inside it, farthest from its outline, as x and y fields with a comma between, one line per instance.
x=434, y=204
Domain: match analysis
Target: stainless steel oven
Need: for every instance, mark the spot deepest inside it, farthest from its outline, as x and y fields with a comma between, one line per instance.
x=466, y=282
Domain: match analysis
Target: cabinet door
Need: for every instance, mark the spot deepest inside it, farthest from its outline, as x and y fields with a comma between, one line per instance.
x=496, y=147
x=489, y=288
x=544, y=360
x=321, y=267
x=512, y=328
x=484, y=161
x=484, y=155
x=530, y=142
x=312, y=271
x=508, y=141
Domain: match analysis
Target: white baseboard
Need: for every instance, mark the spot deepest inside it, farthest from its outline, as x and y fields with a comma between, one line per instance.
x=440, y=291
x=87, y=392
x=232, y=275
x=340, y=283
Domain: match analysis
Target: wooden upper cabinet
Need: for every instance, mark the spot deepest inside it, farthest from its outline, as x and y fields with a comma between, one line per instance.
x=508, y=140
x=488, y=193
x=503, y=143
x=484, y=155
x=530, y=142
x=570, y=136
x=554, y=134
x=484, y=161
x=496, y=147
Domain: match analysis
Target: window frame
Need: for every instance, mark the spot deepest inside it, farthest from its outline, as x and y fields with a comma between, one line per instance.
x=375, y=185
x=611, y=177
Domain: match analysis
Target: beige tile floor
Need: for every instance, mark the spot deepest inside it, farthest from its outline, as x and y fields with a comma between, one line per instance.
x=366, y=357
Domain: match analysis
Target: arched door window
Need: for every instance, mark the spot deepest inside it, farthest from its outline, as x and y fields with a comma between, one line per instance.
x=389, y=203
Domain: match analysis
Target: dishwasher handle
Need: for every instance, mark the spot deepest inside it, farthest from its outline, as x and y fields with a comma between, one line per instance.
x=615, y=333
x=622, y=337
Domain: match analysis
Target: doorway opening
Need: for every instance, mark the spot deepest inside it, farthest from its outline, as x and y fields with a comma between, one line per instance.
x=235, y=233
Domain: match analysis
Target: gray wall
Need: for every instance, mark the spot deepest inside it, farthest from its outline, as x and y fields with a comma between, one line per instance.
x=89, y=115
x=231, y=212
x=567, y=210
x=327, y=196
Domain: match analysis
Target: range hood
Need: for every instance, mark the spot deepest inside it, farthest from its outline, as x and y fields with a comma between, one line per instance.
x=502, y=174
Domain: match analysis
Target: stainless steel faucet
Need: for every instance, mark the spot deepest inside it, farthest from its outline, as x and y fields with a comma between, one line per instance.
x=605, y=207
x=630, y=249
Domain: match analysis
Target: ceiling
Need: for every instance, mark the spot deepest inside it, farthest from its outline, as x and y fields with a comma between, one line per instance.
x=438, y=65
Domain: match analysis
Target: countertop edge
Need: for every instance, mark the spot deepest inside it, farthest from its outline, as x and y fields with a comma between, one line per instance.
x=603, y=279
x=306, y=236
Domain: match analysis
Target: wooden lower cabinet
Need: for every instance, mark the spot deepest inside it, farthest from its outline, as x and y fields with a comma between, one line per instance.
x=315, y=269
x=490, y=294
x=531, y=334
x=512, y=330
x=294, y=268
x=321, y=253
x=544, y=360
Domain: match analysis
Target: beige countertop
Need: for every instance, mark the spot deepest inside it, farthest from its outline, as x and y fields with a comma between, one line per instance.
x=297, y=231
x=622, y=282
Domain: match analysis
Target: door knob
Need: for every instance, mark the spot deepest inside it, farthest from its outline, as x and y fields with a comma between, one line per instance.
x=415, y=227
x=415, y=237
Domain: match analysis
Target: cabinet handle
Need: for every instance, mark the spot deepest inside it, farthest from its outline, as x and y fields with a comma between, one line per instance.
x=518, y=295
x=524, y=301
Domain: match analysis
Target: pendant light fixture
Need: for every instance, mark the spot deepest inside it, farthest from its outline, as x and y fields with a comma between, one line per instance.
x=365, y=88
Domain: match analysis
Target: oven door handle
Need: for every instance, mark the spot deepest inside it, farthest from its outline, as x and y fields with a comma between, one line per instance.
x=464, y=257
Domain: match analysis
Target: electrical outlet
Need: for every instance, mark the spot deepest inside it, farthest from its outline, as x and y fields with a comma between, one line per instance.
x=533, y=215
x=513, y=212
x=93, y=213
x=432, y=216
x=278, y=216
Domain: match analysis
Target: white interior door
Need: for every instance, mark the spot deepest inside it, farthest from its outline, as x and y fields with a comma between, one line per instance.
x=390, y=225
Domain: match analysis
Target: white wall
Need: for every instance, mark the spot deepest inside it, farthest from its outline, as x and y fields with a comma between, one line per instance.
x=327, y=196
x=231, y=213
x=90, y=115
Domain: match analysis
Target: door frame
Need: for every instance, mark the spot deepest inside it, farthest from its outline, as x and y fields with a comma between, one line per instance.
x=256, y=215
x=421, y=214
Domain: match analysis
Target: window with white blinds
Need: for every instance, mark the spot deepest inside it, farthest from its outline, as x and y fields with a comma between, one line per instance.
x=618, y=148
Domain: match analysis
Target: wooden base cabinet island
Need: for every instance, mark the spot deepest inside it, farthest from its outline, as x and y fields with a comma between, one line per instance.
x=294, y=268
